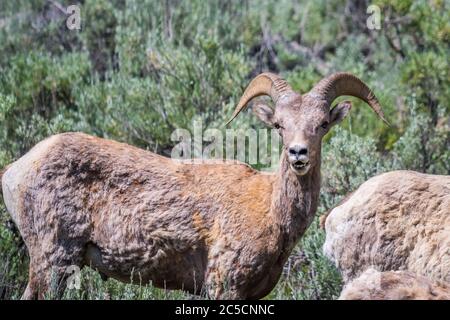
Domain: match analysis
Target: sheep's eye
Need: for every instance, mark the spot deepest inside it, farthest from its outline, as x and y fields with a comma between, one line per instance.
x=324, y=125
x=277, y=126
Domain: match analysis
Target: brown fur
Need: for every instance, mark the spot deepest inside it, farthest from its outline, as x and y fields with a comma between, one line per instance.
x=394, y=285
x=395, y=221
x=224, y=229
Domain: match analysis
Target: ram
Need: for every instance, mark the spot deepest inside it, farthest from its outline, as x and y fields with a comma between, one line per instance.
x=398, y=220
x=219, y=229
x=394, y=285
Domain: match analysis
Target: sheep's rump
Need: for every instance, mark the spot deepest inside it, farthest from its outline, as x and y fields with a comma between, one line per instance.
x=395, y=221
x=394, y=285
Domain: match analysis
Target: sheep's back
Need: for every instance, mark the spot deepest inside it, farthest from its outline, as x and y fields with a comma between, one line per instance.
x=395, y=221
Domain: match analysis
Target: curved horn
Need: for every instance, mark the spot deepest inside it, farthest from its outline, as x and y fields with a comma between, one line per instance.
x=264, y=84
x=342, y=83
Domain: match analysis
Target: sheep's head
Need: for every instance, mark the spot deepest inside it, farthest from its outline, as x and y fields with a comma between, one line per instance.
x=303, y=120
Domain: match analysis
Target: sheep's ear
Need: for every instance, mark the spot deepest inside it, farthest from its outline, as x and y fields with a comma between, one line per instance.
x=339, y=112
x=264, y=113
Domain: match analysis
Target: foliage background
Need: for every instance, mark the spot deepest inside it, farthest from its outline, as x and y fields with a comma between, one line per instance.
x=139, y=69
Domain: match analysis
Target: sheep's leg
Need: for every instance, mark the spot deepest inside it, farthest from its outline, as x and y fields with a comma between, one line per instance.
x=47, y=277
x=37, y=283
x=52, y=255
x=219, y=287
x=32, y=289
x=222, y=291
x=30, y=292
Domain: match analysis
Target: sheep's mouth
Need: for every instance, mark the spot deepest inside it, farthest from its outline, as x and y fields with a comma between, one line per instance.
x=300, y=167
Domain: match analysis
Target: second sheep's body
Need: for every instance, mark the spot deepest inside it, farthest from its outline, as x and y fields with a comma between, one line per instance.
x=395, y=221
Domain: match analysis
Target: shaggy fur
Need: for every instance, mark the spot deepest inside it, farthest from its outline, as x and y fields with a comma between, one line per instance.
x=394, y=285
x=395, y=221
x=224, y=229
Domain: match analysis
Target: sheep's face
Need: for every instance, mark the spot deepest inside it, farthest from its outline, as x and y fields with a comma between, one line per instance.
x=302, y=122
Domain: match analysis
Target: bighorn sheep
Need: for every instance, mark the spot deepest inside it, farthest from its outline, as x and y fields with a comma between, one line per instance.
x=398, y=220
x=394, y=285
x=226, y=229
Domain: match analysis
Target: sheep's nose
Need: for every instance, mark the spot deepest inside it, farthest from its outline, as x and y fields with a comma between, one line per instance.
x=298, y=151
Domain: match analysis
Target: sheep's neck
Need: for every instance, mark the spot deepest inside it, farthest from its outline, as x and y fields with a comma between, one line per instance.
x=294, y=202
